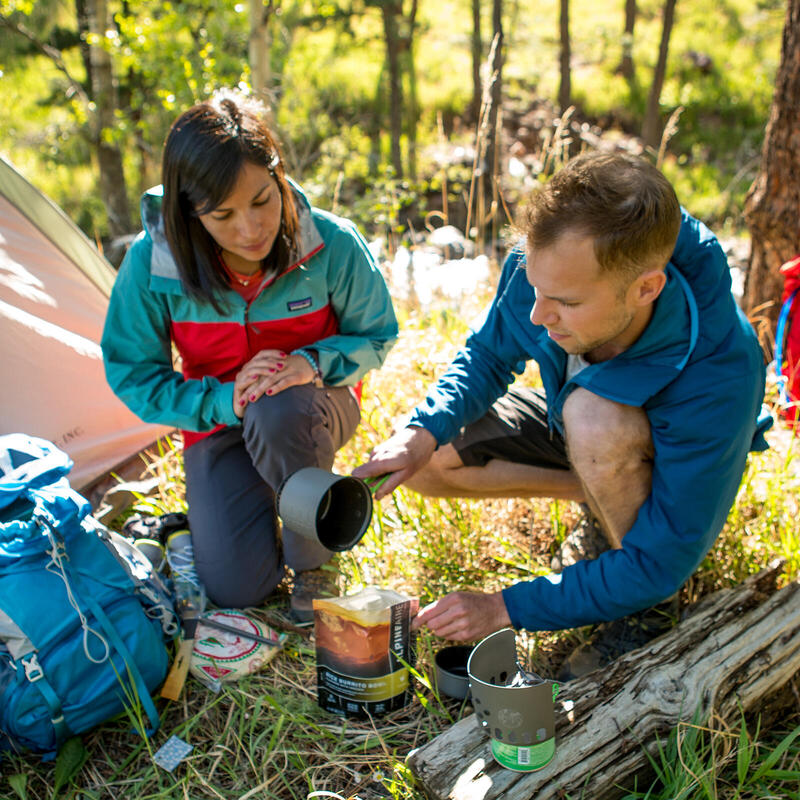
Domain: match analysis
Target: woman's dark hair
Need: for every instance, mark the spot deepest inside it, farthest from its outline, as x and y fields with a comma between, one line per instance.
x=205, y=149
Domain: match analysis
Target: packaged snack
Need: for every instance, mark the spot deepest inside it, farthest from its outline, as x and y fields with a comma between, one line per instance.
x=227, y=655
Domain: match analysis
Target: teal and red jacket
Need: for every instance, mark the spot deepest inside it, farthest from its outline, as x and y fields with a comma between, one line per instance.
x=332, y=299
x=697, y=371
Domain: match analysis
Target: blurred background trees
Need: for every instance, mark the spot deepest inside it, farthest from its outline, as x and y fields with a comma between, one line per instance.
x=393, y=110
x=772, y=208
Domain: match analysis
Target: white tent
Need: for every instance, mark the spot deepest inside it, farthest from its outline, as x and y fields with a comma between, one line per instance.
x=54, y=288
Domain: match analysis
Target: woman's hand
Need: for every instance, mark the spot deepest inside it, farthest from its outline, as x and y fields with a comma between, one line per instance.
x=268, y=372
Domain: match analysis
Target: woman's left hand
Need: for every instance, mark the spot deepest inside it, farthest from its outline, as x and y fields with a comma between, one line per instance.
x=263, y=374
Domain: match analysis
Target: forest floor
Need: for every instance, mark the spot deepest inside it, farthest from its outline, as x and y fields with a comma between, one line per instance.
x=265, y=737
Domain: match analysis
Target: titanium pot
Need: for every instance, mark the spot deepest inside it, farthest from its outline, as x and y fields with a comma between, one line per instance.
x=333, y=510
x=451, y=670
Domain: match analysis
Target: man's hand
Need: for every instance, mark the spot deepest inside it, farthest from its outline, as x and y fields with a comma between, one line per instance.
x=406, y=452
x=268, y=372
x=464, y=616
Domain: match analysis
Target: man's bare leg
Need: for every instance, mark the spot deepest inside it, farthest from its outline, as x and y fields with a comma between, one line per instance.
x=611, y=450
x=610, y=447
x=446, y=476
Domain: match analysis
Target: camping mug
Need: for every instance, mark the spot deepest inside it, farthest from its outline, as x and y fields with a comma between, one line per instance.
x=333, y=510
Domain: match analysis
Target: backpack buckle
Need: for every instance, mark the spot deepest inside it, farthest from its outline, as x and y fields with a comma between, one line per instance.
x=33, y=672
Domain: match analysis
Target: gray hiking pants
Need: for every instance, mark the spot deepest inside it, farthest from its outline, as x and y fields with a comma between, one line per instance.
x=231, y=480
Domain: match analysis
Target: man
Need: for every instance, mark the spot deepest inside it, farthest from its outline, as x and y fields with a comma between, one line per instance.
x=653, y=381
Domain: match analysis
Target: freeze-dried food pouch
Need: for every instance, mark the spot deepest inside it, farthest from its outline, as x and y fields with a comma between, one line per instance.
x=363, y=643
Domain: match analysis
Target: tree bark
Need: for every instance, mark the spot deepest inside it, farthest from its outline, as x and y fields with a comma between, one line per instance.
x=496, y=94
x=375, y=122
x=113, y=189
x=772, y=207
x=82, y=16
x=651, y=129
x=476, y=49
x=391, y=12
x=626, y=67
x=258, y=49
x=565, y=56
x=739, y=648
x=410, y=69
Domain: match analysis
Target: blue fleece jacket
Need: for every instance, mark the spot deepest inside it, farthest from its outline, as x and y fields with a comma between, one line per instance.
x=698, y=373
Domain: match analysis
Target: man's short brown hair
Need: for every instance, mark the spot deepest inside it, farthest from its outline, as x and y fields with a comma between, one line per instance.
x=623, y=202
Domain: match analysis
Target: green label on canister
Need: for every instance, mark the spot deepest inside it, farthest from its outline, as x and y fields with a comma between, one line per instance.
x=523, y=758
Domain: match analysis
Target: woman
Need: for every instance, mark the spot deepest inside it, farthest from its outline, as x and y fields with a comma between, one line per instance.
x=277, y=311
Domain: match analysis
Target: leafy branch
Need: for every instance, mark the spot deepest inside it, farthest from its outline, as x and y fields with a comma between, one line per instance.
x=53, y=53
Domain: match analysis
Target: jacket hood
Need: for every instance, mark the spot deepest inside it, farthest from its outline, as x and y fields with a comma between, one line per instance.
x=704, y=265
x=657, y=357
x=162, y=264
x=694, y=314
x=653, y=361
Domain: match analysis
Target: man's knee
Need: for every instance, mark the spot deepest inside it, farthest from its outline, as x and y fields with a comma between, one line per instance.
x=601, y=432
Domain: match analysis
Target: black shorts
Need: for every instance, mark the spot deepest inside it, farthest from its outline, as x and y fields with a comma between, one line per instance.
x=514, y=429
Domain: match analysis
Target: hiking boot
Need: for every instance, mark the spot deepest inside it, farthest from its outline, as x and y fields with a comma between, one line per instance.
x=310, y=584
x=584, y=542
x=610, y=640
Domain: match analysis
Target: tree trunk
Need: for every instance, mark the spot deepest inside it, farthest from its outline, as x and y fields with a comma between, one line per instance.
x=410, y=69
x=391, y=12
x=651, y=129
x=375, y=123
x=565, y=56
x=626, y=68
x=739, y=648
x=113, y=189
x=82, y=15
x=772, y=207
x=496, y=94
x=259, y=49
x=476, y=48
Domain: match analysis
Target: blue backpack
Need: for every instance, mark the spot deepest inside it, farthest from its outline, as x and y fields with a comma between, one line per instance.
x=83, y=617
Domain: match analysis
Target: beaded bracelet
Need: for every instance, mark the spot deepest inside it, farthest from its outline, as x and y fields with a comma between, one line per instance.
x=317, y=380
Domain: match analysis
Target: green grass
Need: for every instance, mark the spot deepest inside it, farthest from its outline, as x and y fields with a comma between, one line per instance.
x=265, y=737
x=705, y=762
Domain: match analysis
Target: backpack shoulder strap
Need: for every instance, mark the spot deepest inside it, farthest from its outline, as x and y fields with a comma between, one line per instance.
x=139, y=687
x=780, y=343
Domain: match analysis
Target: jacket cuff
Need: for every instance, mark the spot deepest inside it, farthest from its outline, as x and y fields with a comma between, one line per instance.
x=419, y=419
x=524, y=604
x=223, y=405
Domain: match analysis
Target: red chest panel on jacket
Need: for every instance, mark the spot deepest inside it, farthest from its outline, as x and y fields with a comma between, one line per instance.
x=220, y=349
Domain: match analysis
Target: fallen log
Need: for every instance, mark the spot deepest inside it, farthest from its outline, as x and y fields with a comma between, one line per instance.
x=739, y=647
